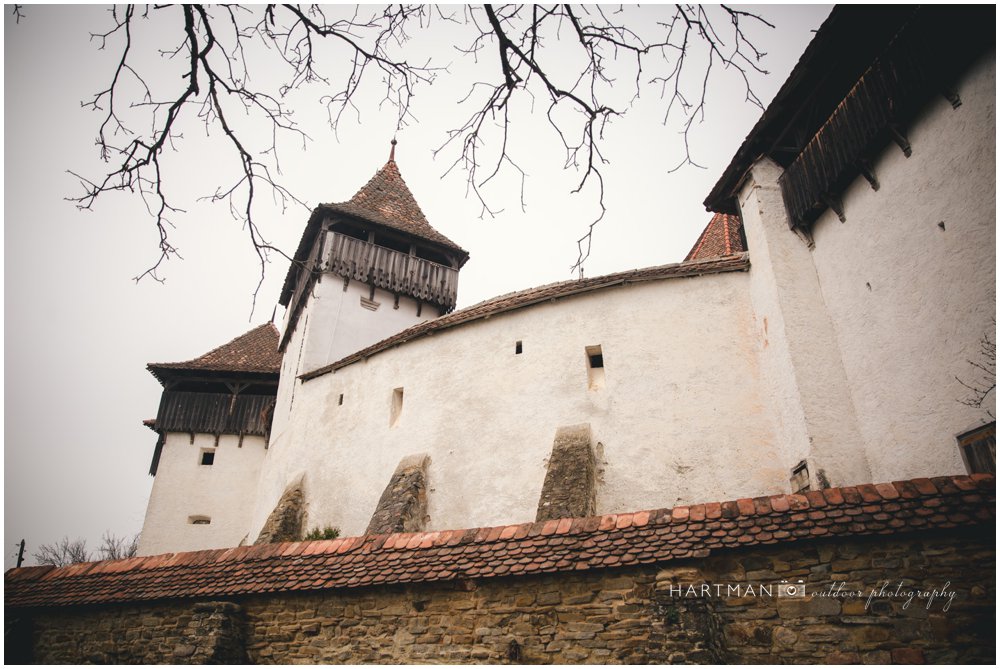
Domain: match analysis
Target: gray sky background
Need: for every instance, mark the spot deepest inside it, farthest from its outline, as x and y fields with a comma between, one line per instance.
x=78, y=331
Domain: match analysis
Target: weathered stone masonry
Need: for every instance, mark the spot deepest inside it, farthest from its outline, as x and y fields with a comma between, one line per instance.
x=252, y=604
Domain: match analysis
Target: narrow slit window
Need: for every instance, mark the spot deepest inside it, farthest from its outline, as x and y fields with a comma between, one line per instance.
x=208, y=457
x=340, y=400
x=518, y=349
x=595, y=367
x=199, y=520
x=397, y=407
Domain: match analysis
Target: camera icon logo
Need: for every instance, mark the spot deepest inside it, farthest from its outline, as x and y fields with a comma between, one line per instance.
x=786, y=589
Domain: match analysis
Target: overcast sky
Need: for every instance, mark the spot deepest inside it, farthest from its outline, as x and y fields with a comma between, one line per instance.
x=79, y=332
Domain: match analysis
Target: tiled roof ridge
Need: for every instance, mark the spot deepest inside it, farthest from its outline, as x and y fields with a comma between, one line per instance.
x=233, y=350
x=568, y=544
x=527, y=297
x=599, y=280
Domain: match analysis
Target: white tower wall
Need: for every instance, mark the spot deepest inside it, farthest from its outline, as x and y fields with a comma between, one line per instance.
x=185, y=490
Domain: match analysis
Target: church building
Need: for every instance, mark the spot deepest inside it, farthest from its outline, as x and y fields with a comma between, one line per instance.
x=802, y=409
x=819, y=333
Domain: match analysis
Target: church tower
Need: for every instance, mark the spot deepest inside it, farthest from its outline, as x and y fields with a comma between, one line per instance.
x=364, y=270
x=213, y=426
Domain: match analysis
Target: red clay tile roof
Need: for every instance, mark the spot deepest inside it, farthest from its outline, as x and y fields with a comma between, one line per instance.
x=385, y=200
x=721, y=237
x=256, y=351
x=568, y=544
x=552, y=291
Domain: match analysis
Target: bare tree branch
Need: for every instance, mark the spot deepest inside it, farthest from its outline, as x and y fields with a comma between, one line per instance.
x=64, y=552
x=985, y=370
x=216, y=76
x=114, y=547
x=519, y=35
x=143, y=113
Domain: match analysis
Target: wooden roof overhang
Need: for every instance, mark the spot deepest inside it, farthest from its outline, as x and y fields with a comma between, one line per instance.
x=867, y=73
x=168, y=375
x=194, y=410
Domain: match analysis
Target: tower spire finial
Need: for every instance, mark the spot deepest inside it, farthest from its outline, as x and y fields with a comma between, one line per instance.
x=392, y=151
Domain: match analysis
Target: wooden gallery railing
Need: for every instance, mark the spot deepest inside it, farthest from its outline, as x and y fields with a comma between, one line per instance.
x=390, y=270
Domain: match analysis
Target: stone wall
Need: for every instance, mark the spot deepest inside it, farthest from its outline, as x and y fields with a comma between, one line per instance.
x=628, y=615
x=403, y=505
x=570, y=488
x=164, y=633
x=285, y=521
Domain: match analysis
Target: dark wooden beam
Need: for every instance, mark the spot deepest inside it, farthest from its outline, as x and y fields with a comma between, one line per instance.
x=868, y=172
x=898, y=136
x=834, y=202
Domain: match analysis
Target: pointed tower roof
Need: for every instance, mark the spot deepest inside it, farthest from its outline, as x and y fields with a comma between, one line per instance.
x=387, y=201
x=723, y=236
x=253, y=352
x=384, y=201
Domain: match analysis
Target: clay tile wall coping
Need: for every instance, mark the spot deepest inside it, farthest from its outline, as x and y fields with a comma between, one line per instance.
x=528, y=548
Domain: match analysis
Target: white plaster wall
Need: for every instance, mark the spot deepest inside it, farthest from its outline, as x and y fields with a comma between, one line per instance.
x=183, y=487
x=331, y=326
x=287, y=382
x=681, y=417
x=339, y=325
x=769, y=333
x=932, y=292
x=803, y=370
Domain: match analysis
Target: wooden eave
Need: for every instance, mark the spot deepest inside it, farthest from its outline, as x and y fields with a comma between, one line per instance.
x=844, y=47
x=921, y=62
x=166, y=375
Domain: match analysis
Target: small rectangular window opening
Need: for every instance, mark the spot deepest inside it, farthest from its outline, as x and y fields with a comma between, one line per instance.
x=800, y=477
x=595, y=367
x=979, y=449
x=199, y=520
x=340, y=400
x=518, y=349
x=208, y=457
x=397, y=407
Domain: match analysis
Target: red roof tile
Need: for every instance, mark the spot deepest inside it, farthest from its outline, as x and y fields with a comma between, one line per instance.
x=552, y=291
x=255, y=351
x=721, y=237
x=551, y=546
